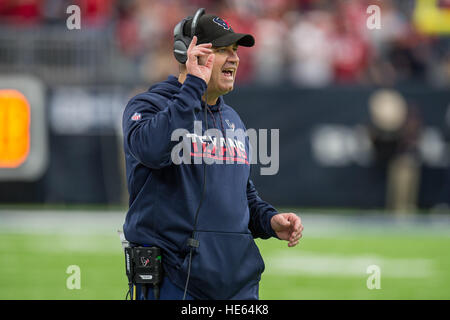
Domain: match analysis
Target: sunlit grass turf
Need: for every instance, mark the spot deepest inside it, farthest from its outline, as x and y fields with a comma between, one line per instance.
x=395, y=251
x=33, y=266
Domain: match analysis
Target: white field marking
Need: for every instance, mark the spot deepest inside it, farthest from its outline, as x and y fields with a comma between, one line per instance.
x=369, y=224
x=315, y=264
x=316, y=224
x=73, y=243
x=61, y=222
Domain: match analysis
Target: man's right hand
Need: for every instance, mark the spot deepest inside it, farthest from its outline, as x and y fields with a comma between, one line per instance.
x=196, y=55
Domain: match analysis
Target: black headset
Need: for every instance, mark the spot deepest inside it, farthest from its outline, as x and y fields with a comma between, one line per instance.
x=182, y=41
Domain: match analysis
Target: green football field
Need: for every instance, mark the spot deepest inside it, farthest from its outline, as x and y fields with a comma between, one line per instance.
x=332, y=261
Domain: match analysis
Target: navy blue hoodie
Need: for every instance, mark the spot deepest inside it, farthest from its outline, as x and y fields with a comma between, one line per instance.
x=164, y=196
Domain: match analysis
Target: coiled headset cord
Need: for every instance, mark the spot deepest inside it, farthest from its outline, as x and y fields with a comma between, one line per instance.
x=199, y=206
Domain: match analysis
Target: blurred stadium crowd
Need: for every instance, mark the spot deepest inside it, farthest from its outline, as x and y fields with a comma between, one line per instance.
x=310, y=43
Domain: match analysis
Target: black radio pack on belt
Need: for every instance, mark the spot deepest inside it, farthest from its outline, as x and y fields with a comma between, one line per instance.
x=143, y=266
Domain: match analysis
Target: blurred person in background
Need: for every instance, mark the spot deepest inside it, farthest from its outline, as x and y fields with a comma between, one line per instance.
x=309, y=50
x=54, y=11
x=394, y=25
x=96, y=13
x=394, y=131
x=221, y=259
x=139, y=32
x=21, y=12
x=443, y=201
x=268, y=60
x=350, y=50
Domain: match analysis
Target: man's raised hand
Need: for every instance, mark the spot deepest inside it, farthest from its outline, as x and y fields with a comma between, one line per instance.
x=200, y=60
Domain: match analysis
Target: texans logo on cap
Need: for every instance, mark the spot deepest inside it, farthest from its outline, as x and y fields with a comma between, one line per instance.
x=222, y=23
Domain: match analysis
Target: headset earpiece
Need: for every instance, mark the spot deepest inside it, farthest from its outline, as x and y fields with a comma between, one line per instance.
x=181, y=41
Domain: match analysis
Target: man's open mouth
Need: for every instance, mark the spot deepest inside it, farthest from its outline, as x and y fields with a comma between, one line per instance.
x=229, y=73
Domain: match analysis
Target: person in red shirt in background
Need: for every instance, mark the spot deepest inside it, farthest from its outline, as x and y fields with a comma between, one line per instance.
x=350, y=49
x=22, y=12
x=96, y=12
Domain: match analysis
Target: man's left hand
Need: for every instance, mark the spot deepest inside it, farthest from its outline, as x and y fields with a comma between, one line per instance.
x=287, y=226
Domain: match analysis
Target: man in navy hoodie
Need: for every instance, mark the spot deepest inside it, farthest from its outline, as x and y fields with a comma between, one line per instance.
x=206, y=233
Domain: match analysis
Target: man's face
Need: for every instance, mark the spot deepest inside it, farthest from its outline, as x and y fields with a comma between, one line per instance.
x=224, y=70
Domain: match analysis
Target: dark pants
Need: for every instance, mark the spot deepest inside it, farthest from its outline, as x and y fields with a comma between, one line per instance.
x=167, y=291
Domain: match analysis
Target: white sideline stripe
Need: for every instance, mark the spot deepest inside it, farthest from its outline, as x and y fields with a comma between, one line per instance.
x=77, y=244
x=313, y=264
x=316, y=225
x=65, y=222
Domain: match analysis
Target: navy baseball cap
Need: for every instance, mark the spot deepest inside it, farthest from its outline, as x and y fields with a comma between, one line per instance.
x=211, y=28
